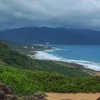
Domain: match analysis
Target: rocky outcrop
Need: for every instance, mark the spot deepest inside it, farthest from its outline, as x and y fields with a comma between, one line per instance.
x=6, y=92
x=98, y=98
x=39, y=96
x=35, y=96
x=2, y=45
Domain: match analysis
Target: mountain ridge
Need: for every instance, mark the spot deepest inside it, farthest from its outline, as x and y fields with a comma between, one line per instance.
x=41, y=35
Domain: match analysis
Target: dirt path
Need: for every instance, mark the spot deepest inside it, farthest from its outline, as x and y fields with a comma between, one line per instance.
x=77, y=96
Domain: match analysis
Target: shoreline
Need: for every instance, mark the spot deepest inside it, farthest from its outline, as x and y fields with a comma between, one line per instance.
x=44, y=55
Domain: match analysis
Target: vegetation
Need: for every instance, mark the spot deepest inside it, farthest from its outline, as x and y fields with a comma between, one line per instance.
x=16, y=59
x=26, y=82
x=28, y=75
x=26, y=49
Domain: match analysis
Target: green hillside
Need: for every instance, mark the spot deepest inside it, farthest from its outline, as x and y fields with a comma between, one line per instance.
x=16, y=59
x=26, y=82
x=27, y=49
x=27, y=75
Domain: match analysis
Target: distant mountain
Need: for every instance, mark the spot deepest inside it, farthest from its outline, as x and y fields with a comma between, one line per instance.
x=41, y=35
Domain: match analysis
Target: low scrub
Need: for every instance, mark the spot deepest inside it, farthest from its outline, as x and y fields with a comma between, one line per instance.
x=26, y=82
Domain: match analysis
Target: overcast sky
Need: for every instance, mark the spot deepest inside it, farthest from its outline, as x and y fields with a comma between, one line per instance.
x=52, y=13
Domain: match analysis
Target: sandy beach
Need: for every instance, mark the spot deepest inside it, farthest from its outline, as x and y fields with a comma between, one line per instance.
x=71, y=96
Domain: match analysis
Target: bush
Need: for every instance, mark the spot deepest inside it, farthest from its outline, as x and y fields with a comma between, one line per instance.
x=26, y=82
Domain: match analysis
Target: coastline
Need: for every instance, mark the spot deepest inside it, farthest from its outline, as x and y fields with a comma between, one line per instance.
x=44, y=55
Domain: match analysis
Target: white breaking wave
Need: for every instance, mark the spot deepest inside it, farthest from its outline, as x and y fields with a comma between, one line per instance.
x=44, y=55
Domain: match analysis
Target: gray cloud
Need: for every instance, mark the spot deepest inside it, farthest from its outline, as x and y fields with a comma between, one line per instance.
x=54, y=13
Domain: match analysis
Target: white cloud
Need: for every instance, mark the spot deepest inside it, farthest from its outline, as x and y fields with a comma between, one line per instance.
x=67, y=13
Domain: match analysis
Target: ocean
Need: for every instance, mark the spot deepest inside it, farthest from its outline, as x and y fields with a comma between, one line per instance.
x=87, y=55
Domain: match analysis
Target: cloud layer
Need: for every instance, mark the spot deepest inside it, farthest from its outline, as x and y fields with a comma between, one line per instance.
x=53, y=13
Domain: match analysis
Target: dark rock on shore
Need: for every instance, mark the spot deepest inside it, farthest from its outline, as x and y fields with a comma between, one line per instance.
x=6, y=92
x=98, y=98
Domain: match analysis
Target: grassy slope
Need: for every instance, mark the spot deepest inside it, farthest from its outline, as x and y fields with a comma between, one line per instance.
x=16, y=59
x=27, y=51
x=27, y=76
x=26, y=82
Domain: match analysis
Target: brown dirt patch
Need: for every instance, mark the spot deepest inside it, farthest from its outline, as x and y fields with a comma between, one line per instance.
x=71, y=96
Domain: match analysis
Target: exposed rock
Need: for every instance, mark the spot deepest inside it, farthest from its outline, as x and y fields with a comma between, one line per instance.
x=2, y=86
x=11, y=97
x=6, y=92
x=39, y=96
x=2, y=45
x=98, y=98
x=2, y=95
x=35, y=96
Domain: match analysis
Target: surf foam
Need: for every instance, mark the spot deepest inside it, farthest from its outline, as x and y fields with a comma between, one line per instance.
x=44, y=55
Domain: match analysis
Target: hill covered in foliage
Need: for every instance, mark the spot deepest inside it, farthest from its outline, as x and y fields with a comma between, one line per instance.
x=26, y=82
x=27, y=75
x=16, y=59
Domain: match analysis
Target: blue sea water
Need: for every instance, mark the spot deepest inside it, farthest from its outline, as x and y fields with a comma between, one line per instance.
x=78, y=52
x=87, y=55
